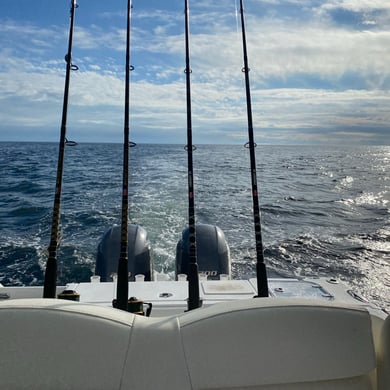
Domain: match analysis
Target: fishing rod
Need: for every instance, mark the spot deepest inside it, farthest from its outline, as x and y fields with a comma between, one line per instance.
x=193, y=277
x=261, y=271
x=122, y=291
x=49, y=288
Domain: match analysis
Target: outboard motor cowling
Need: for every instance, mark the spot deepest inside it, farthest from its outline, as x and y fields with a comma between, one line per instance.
x=140, y=259
x=213, y=254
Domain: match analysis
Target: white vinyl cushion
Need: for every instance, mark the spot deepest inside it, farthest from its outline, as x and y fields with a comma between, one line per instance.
x=264, y=343
x=53, y=344
x=284, y=341
x=384, y=357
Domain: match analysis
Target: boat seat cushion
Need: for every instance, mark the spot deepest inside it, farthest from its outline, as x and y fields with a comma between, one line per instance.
x=280, y=343
x=267, y=344
x=156, y=358
x=54, y=344
x=384, y=357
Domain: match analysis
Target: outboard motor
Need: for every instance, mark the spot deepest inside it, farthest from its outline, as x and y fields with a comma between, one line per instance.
x=213, y=254
x=140, y=261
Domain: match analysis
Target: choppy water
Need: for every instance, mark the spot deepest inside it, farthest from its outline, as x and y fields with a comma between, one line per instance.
x=325, y=210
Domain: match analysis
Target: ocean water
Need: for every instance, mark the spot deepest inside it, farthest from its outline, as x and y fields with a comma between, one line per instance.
x=325, y=210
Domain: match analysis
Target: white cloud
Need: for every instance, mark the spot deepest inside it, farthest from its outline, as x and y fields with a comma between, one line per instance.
x=357, y=6
x=333, y=77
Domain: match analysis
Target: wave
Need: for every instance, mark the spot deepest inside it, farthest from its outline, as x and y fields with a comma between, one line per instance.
x=324, y=210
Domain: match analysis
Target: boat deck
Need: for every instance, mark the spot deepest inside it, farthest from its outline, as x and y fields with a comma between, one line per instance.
x=170, y=297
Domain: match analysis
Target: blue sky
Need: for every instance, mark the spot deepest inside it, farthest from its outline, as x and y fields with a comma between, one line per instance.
x=319, y=71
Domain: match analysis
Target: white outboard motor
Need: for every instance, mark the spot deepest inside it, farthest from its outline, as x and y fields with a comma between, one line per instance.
x=213, y=253
x=140, y=261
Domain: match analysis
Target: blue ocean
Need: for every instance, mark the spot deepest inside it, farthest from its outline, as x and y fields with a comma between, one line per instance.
x=325, y=210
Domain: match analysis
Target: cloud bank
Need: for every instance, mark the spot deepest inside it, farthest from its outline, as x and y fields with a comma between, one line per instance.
x=319, y=73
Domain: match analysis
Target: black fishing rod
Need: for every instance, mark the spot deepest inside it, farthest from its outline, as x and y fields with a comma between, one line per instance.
x=49, y=289
x=261, y=272
x=193, y=277
x=122, y=291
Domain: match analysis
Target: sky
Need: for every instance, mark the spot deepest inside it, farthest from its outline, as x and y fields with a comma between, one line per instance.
x=319, y=71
